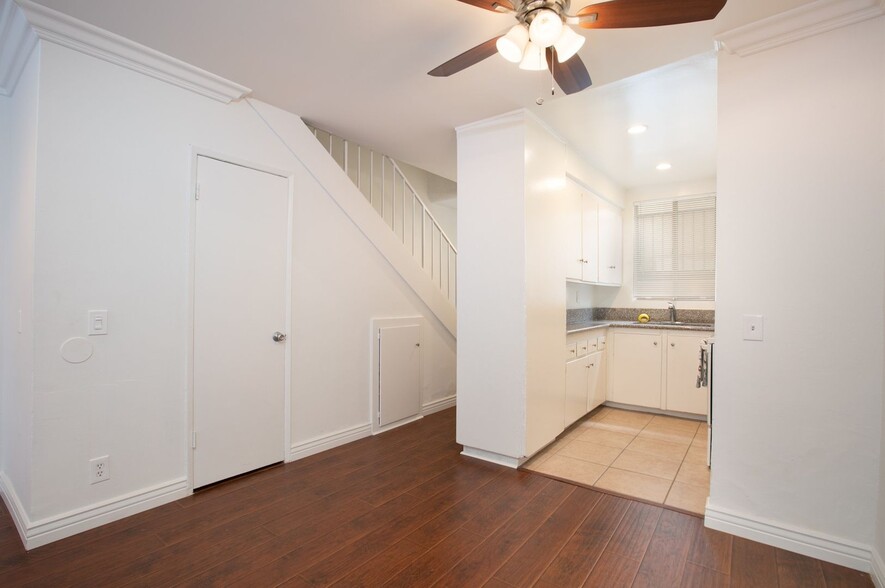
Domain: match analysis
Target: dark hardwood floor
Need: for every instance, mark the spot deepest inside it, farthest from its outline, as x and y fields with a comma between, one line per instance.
x=405, y=509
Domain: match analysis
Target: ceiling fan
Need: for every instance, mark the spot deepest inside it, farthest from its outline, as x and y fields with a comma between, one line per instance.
x=544, y=40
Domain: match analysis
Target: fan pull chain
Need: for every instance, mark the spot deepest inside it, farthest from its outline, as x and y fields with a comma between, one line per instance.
x=552, y=77
x=540, y=99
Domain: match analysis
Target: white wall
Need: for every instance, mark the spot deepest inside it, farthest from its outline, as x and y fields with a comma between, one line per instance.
x=18, y=147
x=606, y=296
x=112, y=232
x=594, y=179
x=491, y=286
x=879, y=543
x=545, y=210
x=801, y=177
x=439, y=193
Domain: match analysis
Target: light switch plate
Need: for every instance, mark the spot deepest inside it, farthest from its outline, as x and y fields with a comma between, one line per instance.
x=98, y=322
x=753, y=327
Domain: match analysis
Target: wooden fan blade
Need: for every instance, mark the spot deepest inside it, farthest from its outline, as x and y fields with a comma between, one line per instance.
x=571, y=76
x=625, y=14
x=466, y=59
x=489, y=4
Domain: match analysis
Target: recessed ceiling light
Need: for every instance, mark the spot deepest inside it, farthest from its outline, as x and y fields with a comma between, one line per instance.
x=663, y=166
x=637, y=129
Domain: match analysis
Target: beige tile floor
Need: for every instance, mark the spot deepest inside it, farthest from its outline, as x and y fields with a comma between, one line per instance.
x=656, y=458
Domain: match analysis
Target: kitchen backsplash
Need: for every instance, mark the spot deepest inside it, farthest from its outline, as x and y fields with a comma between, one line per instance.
x=686, y=315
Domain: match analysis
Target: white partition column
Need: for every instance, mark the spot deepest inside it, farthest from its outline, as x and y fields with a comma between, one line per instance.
x=511, y=294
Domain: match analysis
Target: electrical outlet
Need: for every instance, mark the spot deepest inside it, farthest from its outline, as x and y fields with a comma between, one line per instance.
x=99, y=469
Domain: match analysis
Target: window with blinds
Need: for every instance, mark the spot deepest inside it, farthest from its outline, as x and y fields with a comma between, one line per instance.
x=674, y=248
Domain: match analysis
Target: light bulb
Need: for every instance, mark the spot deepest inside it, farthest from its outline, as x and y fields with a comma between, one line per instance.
x=534, y=59
x=545, y=28
x=663, y=166
x=512, y=45
x=568, y=43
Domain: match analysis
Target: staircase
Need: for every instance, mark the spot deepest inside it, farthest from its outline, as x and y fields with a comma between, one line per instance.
x=388, y=191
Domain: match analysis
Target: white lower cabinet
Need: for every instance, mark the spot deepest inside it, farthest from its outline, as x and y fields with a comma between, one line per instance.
x=577, y=374
x=596, y=377
x=657, y=369
x=682, y=371
x=585, y=377
x=636, y=368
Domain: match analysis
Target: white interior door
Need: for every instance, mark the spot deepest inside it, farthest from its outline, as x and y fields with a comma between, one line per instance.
x=399, y=379
x=240, y=269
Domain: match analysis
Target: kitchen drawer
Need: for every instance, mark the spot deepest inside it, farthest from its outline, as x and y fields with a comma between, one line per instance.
x=583, y=347
x=571, y=351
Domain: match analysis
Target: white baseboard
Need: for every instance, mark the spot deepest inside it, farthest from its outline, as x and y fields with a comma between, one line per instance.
x=877, y=571
x=394, y=425
x=43, y=531
x=817, y=545
x=320, y=443
x=491, y=456
x=438, y=405
x=15, y=508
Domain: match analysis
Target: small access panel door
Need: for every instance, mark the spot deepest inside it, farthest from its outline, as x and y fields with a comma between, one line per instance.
x=399, y=374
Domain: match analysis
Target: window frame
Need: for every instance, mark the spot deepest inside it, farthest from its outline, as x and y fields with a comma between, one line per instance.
x=678, y=259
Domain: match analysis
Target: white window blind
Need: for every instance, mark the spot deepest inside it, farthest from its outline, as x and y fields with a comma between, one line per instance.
x=674, y=248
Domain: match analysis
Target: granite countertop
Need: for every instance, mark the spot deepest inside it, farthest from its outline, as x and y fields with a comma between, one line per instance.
x=591, y=324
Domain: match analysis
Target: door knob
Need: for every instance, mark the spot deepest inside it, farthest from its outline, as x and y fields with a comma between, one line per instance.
x=277, y=336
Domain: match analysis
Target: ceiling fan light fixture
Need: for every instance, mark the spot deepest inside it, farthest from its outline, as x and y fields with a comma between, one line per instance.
x=568, y=43
x=546, y=28
x=512, y=45
x=534, y=59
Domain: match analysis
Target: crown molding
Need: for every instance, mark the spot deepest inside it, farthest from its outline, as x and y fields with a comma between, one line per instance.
x=799, y=23
x=53, y=26
x=17, y=40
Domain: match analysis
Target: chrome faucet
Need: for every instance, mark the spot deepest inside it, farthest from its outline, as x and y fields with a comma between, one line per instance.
x=672, y=308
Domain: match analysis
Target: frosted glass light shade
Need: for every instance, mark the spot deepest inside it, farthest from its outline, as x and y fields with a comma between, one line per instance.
x=545, y=28
x=568, y=43
x=534, y=59
x=512, y=45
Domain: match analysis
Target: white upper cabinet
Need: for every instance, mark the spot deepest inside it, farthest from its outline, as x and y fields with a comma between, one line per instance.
x=593, y=234
x=574, y=261
x=610, y=255
x=590, y=237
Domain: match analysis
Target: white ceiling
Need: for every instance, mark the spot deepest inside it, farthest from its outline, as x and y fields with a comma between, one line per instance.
x=677, y=103
x=358, y=68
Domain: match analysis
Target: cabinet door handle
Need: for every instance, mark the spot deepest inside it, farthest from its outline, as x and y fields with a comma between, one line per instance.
x=592, y=365
x=655, y=343
x=672, y=344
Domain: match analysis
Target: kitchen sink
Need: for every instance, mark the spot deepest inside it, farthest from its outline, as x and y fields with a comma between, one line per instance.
x=674, y=324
